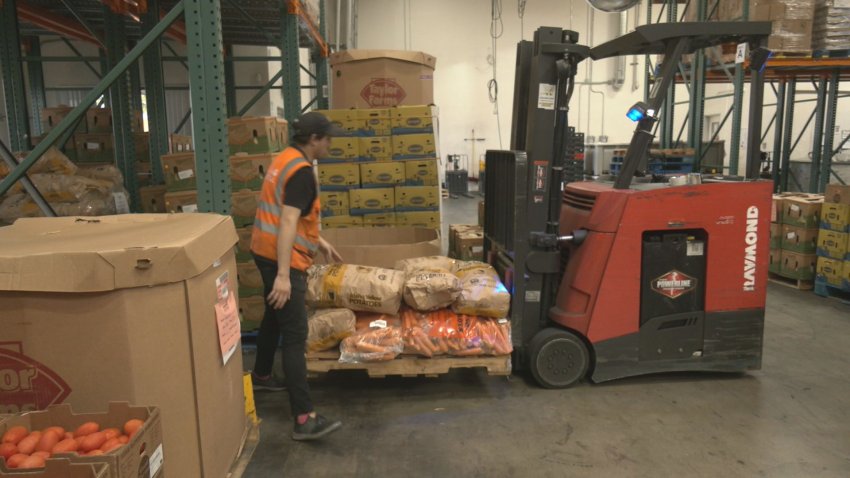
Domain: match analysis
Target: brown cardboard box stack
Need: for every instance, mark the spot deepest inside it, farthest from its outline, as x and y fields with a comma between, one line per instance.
x=833, y=243
x=792, y=23
x=384, y=172
x=382, y=78
x=466, y=242
x=152, y=294
x=795, y=218
x=831, y=29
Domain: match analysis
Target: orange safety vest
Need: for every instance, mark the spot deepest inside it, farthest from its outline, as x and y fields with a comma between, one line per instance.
x=270, y=205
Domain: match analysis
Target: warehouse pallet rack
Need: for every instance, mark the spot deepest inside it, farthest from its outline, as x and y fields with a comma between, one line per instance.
x=126, y=34
x=783, y=74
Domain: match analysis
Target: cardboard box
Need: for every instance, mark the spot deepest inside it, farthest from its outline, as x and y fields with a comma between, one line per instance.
x=417, y=198
x=178, y=143
x=343, y=149
x=345, y=119
x=250, y=280
x=381, y=175
x=778, y=205
x=421, y=173
x=50, y=117
x=153, y=199
x=243, y=247
x=142, y=147
x=371, y=201
x=99, y=120
x=835, y=217
x=837, y=194
x=413, y=119
x=799, y=239
x=832, y=244
x=282, y=132
x=95, y=147
x=845, y=275
x=775, y=235
x=375, y=122
x=334, y=203
x=248, y=170
x=766, y=10
x=429, y=220
x=60, y=468
x=179, y=171
x=798, y=266
x=455, y=230
x=829, y=271
x=469, y=246
x=142, y=289
x=802, y=211
x=243, y=207
x=414, y=146
x=251, y=310
x=384, y=219
x=381, y=78
x=335, y=222
x=376, y=148
x=382, y=247
x=775, y=264
x=254, y=135
x=144, y=173
x=144, y=450
x=339, y=177
x=181, y=201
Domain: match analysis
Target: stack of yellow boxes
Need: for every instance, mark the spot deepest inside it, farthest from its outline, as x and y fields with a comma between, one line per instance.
x=793, y=234
x=384, y=172
x=833, y=246
x=254, y=142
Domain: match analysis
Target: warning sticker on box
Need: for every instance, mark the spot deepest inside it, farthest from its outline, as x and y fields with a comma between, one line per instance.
x=190, y=208
x=546, y=97
x=186, y=174
x=155, y=461
x=227, y=317
x=121, y=204
x=696, y=248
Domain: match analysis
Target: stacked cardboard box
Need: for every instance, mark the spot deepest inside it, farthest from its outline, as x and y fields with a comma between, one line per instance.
x=466, y=242
x=793, y=235
x=833, y=245
x=792, y=20
x=831, y=29
x=383, y=172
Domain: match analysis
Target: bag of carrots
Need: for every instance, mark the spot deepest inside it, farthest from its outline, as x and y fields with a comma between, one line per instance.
x=443, y=332
x=482, y=293
x=379, y=342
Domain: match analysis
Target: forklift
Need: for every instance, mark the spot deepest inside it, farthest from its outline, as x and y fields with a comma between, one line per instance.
x=614, y=279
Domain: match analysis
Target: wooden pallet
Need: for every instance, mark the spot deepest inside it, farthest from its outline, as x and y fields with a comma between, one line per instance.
x=408, y=366
x=798, y=284
x=250, y=440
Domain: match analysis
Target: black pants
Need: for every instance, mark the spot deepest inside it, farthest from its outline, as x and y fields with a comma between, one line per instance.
x=291, y=323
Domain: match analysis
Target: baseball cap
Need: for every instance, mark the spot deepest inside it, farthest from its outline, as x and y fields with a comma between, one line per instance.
x=315, y=123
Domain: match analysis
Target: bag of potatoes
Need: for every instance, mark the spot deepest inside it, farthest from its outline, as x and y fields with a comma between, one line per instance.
x=431, y=289
x=482, y=292
x=327, y=327
x=368, y=289
x=431, y=262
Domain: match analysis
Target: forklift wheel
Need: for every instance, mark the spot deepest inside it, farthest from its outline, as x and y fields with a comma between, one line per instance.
x=558, y=358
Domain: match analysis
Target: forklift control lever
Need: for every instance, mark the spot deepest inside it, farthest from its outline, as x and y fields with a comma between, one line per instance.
x=551, y=241
x=577, y=237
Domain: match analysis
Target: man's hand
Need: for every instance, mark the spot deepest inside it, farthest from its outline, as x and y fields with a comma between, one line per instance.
x=281, y=290
x=331, y=254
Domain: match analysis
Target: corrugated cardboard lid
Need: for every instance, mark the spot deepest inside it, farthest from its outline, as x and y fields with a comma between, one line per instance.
x=92, y=254
x=402, y=55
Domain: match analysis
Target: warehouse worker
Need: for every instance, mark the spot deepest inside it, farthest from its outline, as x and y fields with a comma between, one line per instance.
x=284, y=241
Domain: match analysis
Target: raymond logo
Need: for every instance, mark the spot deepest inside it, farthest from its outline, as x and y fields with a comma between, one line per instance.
x=751, y=239
x=674, y=284
x=382, y=92
x=25, y=384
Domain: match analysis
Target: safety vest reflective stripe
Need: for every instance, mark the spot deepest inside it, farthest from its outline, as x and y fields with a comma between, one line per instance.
x=310, y=246
x=278, y=190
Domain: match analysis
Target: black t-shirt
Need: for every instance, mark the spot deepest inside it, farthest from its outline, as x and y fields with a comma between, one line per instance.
x=301, y=191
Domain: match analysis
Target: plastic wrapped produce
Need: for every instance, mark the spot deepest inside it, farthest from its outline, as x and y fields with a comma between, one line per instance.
x=65, y=188
x=16, y=206
x=368, y=289
x=52, y=161
x=379, y=342
x=431, y=262
x=327, y=327
x=431, y=289
x=482, y=293
x=103, y=172
x=443, y=332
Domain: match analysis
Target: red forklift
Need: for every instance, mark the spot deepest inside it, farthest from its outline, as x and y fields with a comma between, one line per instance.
x=622, y=278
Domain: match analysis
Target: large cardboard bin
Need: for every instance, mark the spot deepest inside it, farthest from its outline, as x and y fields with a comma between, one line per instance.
x=382, y=247
x=382, y=78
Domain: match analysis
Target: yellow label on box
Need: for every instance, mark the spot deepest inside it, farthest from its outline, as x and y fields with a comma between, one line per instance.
x=830, y=270
x=422, y=172
x=334, y=200
x=384, y=219
x=339, y=176
x=835, y=217
x=832, y=244
x=417, y=196
x=378, y=199
x=429, y=219
x=376, y=148
x=344, y=148
x=414, y=146
x=342, y=221
x=377, y=174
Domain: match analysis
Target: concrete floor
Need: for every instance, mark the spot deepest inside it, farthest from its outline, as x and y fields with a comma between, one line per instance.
x=791, y=419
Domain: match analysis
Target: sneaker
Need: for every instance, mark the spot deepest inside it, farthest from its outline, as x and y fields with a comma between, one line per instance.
x=268, y=384
x=315, y=428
